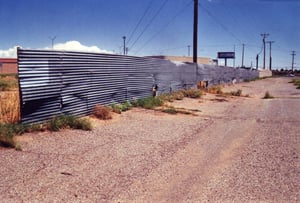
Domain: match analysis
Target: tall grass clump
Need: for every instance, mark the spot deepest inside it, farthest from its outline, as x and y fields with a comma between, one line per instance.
x=69, y=121
x=119, y=108
x=180, y=94
x=148, y=103
x=192, y=93
x=9, y=107
x=170, y=97
x=8, y=131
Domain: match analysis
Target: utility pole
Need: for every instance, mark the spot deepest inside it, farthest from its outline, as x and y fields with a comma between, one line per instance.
x=265, y=35
x=195, y=37
x=189, y=47
x=257, y=61
x=293, y=58
x=124, y=45
x=52, y=40
x=243, y=52
x=270, y=42
x=234, y=56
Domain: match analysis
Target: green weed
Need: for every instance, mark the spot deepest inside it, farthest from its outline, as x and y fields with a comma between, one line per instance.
x=119, y=108
x=69, y=121
x=148, y=103
x=8, y=131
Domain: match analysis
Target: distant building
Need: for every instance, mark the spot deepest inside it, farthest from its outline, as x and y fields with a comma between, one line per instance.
x=200, y=60
x=8, y=65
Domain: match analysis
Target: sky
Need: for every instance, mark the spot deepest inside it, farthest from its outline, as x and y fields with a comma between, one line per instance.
x=155, y=27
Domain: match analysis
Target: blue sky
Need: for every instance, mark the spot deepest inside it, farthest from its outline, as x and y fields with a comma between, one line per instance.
x=100, y=25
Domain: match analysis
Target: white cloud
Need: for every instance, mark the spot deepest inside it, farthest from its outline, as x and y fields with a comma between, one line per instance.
x=77, y=46
x=9, y=53
x=67, y=46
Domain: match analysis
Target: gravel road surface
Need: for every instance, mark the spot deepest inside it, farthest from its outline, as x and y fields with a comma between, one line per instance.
x=236, y=149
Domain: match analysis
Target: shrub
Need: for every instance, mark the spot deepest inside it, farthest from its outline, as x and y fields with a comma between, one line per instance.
x=148, y=103
x=82, y=124
x=170, y=97
x=102, y=112
x=68, y=121
x=214, y=90
x=268, y=96
x=119, y=108
x=192, y=93
x=8, y=131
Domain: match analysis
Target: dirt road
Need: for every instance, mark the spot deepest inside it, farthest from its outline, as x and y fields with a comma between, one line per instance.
x=235, y=150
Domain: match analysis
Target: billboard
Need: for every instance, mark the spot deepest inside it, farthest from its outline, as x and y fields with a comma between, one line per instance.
x=226, y=55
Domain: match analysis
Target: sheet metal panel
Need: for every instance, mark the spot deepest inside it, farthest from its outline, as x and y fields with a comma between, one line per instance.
x=55, y=82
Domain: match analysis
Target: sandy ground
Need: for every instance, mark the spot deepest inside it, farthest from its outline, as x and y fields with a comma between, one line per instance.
x=236, y=149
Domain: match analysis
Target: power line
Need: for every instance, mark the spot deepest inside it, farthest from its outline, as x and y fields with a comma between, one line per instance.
x=164, y=26
x=150, y=22
x=140, y=21
x=219, y=22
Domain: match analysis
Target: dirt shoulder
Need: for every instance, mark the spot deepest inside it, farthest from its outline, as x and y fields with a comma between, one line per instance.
x=236, y=149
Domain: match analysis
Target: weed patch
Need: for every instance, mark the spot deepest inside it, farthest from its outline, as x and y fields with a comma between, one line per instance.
x=170, y=97
x=8, y=131
x=192, y=93
x=69, y=121
x=119, y=108
x=148, y=103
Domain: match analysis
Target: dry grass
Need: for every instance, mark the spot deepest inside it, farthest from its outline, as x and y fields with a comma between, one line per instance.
x=214, y=90
x=9, y=107
x=102, y=112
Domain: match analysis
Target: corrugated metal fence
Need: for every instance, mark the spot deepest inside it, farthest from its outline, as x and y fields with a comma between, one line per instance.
x=55, y=82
